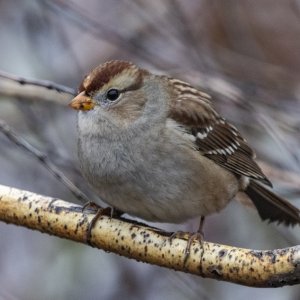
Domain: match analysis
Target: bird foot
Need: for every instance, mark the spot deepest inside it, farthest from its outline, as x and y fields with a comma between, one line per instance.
x=190, y=237
x=100, y=211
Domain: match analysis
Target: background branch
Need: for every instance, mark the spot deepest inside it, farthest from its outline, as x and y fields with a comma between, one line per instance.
x=49, y=85
x=34, y=90
x=268, y=268
x=43, y=159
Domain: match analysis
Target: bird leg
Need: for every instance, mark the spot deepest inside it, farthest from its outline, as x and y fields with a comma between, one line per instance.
x=199, y=235
x=100, y=211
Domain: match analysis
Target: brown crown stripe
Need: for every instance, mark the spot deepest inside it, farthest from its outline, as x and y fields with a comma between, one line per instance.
x=102, y=74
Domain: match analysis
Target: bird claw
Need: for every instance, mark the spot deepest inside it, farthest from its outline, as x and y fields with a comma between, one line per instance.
x=190, y=237
x=100, y=211
x=90, y=205
x=199, y=235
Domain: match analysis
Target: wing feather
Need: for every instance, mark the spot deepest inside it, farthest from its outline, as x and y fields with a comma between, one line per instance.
x=215, y=138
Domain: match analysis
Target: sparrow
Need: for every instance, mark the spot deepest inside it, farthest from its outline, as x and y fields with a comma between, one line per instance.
x=154, y=147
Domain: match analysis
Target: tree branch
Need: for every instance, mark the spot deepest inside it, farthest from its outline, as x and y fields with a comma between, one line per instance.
x=31, y=89
x=49, y=85
x=267, y=268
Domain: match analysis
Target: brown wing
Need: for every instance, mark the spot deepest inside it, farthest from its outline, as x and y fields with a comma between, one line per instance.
x=215, y=138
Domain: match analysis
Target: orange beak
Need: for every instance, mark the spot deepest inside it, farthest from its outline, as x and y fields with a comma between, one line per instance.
x=82, y=102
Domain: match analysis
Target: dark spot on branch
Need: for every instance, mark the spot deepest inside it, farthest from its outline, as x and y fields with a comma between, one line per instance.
x=272, y=256
x=217, y=271
x=257, y=254
x=222, y=253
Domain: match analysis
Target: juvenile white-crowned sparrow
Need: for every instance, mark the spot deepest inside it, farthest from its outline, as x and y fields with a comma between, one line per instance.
x=154, y=147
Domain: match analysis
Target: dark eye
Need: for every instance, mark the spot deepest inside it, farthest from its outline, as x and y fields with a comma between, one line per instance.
x=112, y=94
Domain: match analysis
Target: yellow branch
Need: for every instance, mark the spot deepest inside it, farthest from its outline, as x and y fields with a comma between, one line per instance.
x=268, y=268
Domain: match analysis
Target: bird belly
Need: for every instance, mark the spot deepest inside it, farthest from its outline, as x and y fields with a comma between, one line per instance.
x=159, y=185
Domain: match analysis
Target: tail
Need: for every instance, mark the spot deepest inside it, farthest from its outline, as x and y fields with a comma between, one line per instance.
x=271, y=207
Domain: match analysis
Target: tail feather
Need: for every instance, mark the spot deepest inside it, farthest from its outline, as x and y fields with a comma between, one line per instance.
x=271, y=207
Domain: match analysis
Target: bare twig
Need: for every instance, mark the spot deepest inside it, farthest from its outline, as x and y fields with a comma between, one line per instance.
x=83, y=20
x=187, y=35
x=32, y=93
x=34, y=90
x=43, y=159
x=289, y=179
x=49, y=85
x=279, y=138
x=268, y=268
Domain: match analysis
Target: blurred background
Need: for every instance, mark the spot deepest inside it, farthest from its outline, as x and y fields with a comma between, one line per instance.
x=244, y=53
